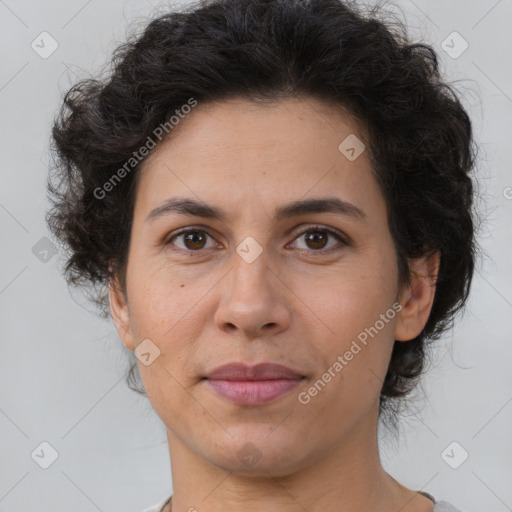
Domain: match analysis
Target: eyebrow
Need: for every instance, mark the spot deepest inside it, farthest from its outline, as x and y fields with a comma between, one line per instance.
x=188, y=206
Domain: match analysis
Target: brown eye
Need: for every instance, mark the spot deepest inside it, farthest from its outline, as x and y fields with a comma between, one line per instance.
x=192, y=239
x=317, y=239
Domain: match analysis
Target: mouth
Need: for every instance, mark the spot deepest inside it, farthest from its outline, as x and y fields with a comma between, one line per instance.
x=253, y=385
x=253, y=392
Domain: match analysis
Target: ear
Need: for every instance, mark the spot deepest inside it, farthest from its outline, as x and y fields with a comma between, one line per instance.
x=417, y=298
x=120, y=313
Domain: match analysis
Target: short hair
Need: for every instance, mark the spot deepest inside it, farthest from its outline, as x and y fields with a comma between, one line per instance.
x=420, y=137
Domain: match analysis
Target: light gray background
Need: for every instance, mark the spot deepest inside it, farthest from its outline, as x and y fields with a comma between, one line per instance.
x=62, y=369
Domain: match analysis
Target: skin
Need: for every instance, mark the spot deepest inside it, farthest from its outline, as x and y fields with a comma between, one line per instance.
x=203, y=305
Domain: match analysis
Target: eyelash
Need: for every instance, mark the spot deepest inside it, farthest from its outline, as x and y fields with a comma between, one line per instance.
x=331, y=232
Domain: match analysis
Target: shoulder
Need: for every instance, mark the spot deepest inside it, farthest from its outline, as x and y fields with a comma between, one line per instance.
x=439, y=506
x=444, y=506
x=158, y=507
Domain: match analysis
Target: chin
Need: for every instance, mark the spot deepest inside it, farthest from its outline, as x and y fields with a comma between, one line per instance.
x=259, y=453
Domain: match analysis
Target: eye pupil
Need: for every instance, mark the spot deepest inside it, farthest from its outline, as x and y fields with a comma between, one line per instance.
x=193, y=236
x=313, y=237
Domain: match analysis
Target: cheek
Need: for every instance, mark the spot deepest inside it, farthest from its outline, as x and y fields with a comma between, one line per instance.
x=356, y=308
x=338, y=311
x=353, y=296
x=172, y=306
x=160, y=297
x=171, y=316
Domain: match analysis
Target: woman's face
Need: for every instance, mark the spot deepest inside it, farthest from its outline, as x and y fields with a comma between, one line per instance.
x=256, y=288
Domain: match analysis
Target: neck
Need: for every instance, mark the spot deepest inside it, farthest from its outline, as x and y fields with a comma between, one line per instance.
x=344, y=479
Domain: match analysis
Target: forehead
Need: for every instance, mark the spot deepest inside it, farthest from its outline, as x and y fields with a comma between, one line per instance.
x=215, y=129
x=238, y=149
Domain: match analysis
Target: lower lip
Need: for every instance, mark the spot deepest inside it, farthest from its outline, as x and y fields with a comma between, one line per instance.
x=255, y=392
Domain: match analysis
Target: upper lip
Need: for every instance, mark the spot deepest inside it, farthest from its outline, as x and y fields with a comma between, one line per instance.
x=262, y=371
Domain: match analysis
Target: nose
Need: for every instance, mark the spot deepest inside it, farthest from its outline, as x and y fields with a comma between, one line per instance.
x=254, y=301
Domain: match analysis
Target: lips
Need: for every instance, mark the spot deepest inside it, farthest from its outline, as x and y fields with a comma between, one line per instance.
x=262, y=371
x=253, y=385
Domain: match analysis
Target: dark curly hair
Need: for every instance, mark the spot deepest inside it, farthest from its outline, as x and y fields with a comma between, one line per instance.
x=421, y=143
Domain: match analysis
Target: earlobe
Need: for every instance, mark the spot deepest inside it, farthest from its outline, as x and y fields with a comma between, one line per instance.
x=417, y=298
x=120, y=314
